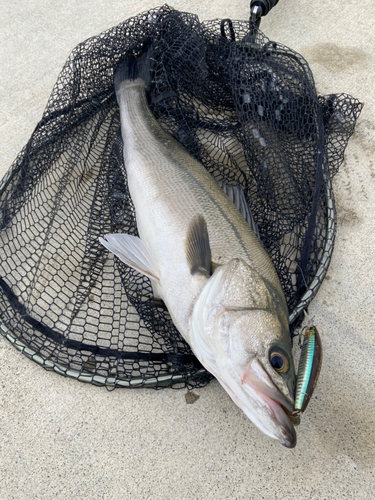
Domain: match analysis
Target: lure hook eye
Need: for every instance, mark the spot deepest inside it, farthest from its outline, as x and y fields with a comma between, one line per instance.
x=279, y=361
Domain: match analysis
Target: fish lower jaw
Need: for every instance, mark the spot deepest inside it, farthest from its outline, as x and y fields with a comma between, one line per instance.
x=257, y=383
x=284, y=434
x=287, y=435
x=264, y=412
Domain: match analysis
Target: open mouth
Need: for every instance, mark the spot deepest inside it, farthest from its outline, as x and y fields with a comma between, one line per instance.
x=282, y=416
x=280, y=408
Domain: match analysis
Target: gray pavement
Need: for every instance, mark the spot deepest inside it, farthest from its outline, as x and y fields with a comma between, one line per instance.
x=65, y=440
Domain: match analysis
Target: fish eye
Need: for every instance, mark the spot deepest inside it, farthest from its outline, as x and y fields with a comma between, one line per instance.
x=279, y=361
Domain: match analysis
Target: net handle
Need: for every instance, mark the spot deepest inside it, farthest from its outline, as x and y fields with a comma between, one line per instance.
x=260, y=8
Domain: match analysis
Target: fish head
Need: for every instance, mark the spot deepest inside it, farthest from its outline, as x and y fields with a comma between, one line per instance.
x=240, y=333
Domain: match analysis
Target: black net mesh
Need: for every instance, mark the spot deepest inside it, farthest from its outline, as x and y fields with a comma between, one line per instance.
x=243, y=106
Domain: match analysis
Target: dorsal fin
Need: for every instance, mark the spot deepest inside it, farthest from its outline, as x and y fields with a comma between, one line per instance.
x=237, y=197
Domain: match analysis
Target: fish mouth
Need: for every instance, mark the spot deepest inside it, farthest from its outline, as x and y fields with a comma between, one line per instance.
x=281, y=415
x=269, y=396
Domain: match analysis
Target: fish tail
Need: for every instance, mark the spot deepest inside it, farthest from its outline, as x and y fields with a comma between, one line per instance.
x=132, y=68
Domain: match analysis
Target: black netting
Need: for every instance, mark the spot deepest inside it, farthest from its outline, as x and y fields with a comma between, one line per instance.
x=242, y=105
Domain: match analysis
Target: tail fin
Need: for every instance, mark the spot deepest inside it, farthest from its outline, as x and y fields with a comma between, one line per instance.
x=132, y=68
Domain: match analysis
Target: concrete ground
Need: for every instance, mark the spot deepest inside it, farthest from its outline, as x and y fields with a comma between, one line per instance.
x=63, y=439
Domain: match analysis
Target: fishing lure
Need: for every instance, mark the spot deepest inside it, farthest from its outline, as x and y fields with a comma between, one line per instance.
x=308, y=369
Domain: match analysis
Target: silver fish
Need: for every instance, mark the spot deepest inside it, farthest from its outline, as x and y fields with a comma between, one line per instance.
x=218, y=283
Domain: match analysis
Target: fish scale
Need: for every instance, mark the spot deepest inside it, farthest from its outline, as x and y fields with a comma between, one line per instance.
x=163, y=170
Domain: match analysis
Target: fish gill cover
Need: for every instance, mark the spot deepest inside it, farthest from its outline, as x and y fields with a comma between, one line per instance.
x=242, y=105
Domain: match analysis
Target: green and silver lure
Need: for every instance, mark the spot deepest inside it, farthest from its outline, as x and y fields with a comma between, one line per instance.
x=308, y=369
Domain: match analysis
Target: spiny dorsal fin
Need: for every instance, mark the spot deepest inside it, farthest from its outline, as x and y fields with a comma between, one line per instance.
x=237, y=197
x=197, y=247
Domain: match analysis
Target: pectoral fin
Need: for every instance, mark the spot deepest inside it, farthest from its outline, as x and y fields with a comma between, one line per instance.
x=132, y=252
x=197, y=247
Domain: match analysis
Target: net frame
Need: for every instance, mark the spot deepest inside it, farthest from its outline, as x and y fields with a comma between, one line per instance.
x=195, y=376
